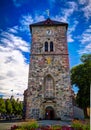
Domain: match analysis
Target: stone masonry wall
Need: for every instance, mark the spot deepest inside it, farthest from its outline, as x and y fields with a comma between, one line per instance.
x=56, y=64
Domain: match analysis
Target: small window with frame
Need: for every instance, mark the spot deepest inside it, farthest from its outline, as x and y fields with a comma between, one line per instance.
x=46, y=46
x=51, y=46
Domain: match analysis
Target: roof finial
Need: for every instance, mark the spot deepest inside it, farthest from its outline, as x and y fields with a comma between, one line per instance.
x=48, y=12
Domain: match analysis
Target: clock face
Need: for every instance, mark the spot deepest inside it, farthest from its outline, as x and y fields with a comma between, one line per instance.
x=48, y=32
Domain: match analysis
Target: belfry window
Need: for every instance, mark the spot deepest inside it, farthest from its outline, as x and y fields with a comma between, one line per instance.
x=51, y=46
x=46, y=46
x=49, y=87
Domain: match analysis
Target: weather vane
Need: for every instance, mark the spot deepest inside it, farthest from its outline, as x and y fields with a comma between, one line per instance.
x=48, y=12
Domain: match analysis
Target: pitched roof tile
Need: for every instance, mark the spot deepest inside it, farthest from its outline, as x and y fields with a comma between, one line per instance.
x=49, y=22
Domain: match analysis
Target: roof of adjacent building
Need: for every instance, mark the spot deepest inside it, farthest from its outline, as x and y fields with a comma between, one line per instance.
x=49, y=22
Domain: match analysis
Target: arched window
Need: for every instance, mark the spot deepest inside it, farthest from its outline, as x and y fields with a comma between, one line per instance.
x=51, y=46
x=46, y=46
x=49, y=87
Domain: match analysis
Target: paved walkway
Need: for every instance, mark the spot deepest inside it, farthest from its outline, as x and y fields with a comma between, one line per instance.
x=54, y=122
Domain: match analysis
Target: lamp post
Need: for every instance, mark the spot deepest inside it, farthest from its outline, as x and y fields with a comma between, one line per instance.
x=12, y=92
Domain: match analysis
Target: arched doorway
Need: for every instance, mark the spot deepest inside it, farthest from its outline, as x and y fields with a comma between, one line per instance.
x=49, y=113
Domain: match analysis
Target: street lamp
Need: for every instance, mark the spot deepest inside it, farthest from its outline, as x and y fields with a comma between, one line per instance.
x=12, y=92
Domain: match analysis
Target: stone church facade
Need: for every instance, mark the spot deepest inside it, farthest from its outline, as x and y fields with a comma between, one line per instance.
x=49, y=94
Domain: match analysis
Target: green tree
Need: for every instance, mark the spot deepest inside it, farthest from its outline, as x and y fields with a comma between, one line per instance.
x=9, y=108
x=13, y=102
x=81, y=77
x=17, y=107
x=86, y=58
x=20, y=110
x=2, y=106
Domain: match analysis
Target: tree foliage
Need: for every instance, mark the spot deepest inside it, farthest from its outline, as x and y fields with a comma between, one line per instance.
x=2, y=106
x=17, y=107
x=86, y=58
x=81, y=77
x=9, y=108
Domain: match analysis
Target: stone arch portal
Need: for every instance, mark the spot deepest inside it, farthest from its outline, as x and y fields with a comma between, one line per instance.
x=49, y=113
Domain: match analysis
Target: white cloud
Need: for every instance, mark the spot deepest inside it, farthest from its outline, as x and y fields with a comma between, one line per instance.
x=13, y=30
x=67, y=12
x=85, y=50
x=13, y=42
x=86, y=8
x=71, y=29
x=83, y=1
x=70, y=39
x=39, y=18
x=86, y=36
x=26, y=20
x=14, y=69
x=87, y=11
x=85, y=40
x=65, y=17
x=13, y=66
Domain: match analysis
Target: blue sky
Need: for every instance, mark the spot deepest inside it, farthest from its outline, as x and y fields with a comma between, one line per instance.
x=15, y=37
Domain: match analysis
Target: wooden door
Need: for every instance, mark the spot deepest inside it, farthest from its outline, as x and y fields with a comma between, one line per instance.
x=49, y=113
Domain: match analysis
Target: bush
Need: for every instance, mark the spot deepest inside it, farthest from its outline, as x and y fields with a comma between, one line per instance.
x=86, y=127
x=32, y=124
x=76, y=124
x=14, y=127
x=80, y=125
x=56, y=127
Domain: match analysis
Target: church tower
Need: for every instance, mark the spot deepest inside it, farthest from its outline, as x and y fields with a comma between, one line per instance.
x=49, y=94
